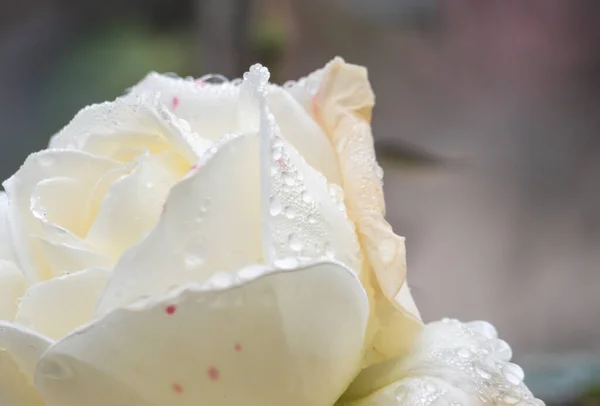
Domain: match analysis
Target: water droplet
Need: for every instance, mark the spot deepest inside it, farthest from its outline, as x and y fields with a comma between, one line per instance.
x=276, y=154
x=306, y=197
x=483, y=374
x=276, y=208
x=290, y=212
x=295, y=242
x=274, y=170
x=311, y=219
x=286, y=263
x=430, y=387
x=513, y=373
x=379, y=171
x=336, y=193
x=288, y=178
x=329, y=251
x=54, y=369
x=510, y=400
x=193, y=260
x=46, y=160
x=463, y=353
x=502, y=350
x=484, y=328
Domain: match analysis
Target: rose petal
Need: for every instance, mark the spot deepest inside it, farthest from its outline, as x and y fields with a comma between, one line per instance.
x=58, y=306
x=340, y=98
x=210, y=110
x=129, y=123
x=65, y=257
x=133, y=203
x=307, y=217
x=14, y=388
x=12, y=287
x=450, y=362
x=283, y=335
x=5, y=242
x=301, y=130
x=79, y=166
x=25, y=347
x=211, y=221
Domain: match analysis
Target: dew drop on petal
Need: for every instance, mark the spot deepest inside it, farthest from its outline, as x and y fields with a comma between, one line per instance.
x=295, y=242
x=513, y=373
x=275, y=207
x=290, y=212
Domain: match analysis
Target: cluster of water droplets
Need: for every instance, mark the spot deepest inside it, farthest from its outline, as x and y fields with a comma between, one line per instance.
x=484, y=361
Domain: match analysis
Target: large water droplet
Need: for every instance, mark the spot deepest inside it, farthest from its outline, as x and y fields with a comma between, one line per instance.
x=306, y=197
x=502, y=350
x=329, y=253
x=463, y=353
x=484, y=328
x=288, y=178
x=295, y=242
x=513, y=373
x=311, y=219
x=379, y=171
x=46, y=160
x=286, y=263
x=275, y=206
x=276, y=154
x=193, y=260
x=290, y=212
x=336, y=193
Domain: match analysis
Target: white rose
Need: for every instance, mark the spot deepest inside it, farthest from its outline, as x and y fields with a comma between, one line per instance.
x=193, y=243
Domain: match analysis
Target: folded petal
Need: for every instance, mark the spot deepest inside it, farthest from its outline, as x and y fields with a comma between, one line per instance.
x=300, y=129
x=450, y=363
x=133, y=203
x=211, y=110
x=12, y=287
x=120, y=128
x=260, y=336
x=14, y=388
x=340, y=99
x=58, y=306
x=5, y=242
x=25, y=347
x=237, y=209
x=27, y=221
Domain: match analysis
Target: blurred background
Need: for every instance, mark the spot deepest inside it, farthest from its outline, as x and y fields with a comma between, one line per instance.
x=487, y=124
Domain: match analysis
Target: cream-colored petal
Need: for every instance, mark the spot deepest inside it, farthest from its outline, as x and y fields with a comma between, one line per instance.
x=14, y=388
x=5, y=239
x=64, y=257
x=306, y=216
x=210, y=222
x=81, y=167
x=303, y=132
x=211, y=110
x=258, y=337
x=56, y=307
x=450, y=362
x=134, y=202
x=137, y=122
x=340, y=98
x=12, y=287
x=25, y=347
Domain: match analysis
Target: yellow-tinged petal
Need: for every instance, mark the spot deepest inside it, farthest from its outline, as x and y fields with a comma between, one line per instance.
x=12, y=287
x=256, y=337
x=450, y=363
x=24, y=346
x=58, y=306
x=14, y=388
x=340, y=99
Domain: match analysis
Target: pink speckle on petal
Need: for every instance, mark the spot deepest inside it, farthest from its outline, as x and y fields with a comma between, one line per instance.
x=237, y=347
x=175, y=102
x=171, y=309
x=201, y=83
x=213, y=373
x=177, y=388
